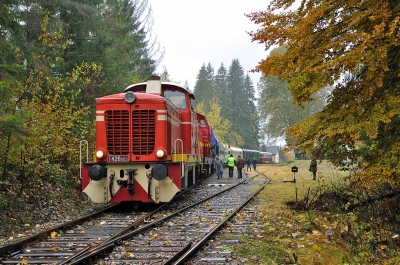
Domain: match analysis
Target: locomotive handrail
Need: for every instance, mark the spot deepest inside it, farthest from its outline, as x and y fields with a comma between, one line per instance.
x=80, y=155
x=198, y=148
x=182, y=169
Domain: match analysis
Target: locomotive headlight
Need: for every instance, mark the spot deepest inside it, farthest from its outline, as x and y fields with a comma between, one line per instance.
x=129, y=97
x=160, y=153
x=100, y=154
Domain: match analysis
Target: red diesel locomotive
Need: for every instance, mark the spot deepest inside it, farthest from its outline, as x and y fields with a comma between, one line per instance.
x=150, y=145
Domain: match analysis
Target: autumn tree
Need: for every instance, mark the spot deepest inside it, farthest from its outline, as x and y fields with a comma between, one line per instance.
x=354, y=47
x=219, y=125
x=12, y=74
x=54, y=124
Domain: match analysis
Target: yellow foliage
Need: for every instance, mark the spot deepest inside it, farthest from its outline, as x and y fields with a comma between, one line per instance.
x=317, y=248
x=200, y=107
x=55, y=122
x=220, y=126
x=352, y=47
x=53, y=234
x=152, y=236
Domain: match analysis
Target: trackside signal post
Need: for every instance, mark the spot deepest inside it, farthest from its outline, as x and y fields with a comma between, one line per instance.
x=294, y=170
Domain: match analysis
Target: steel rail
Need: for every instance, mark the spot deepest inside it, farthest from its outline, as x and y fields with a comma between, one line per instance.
x=17, y=246
x=96, y=250
x=177, y=260
x=109, y=242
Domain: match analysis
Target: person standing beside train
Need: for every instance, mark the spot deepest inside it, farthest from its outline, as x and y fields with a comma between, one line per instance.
x=231, y=165
x=240, y=166
x=248, y=164
x=254, y=162
x=219, y=165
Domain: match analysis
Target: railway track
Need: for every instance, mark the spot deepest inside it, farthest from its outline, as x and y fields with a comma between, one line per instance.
x=154, y=238
x=175, y=238
x=15, y=246
x=56, y=243
x=60, y=244
x=220, y=250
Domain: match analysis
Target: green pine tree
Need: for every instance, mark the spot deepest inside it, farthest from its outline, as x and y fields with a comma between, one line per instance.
x=239, y=106
x=221, y=85
x=204, y=86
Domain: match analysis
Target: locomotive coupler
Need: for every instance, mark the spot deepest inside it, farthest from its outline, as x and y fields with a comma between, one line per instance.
x=149, y=177
x=111, y=184
x=131, y=173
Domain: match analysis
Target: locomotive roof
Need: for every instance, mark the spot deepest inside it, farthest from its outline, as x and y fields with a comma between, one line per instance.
x=141, y=87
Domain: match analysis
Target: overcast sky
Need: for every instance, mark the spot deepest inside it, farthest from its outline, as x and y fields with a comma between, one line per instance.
x=203, y=31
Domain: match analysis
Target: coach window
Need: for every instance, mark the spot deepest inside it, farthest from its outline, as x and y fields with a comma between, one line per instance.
x=203, y=123
x=177, y=98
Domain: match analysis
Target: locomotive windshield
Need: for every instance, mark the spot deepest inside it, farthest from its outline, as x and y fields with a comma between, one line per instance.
x=176, y=97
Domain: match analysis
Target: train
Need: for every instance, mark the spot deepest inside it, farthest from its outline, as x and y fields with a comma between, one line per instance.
x=261, y=157
x=151, y=144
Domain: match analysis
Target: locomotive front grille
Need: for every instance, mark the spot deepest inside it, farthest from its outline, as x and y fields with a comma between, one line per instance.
x=117, y=131
x=143, y=131
x=141, y=137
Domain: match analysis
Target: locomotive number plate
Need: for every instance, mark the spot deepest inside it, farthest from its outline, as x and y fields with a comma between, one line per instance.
x=118, y=159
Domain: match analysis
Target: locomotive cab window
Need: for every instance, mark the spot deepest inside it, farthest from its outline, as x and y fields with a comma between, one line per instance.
x=177, y=98
x=191, y=104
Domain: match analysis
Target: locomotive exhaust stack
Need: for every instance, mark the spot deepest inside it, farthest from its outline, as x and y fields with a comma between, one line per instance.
x=154, y=85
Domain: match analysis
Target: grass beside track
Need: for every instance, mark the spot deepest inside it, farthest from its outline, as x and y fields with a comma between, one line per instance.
x=287, y=236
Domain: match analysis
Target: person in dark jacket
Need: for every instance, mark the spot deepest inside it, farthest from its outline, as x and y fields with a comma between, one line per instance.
x=219, y=165
x=313, y=169
x=248, y=164
x=254, y=162
x=240, y=166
